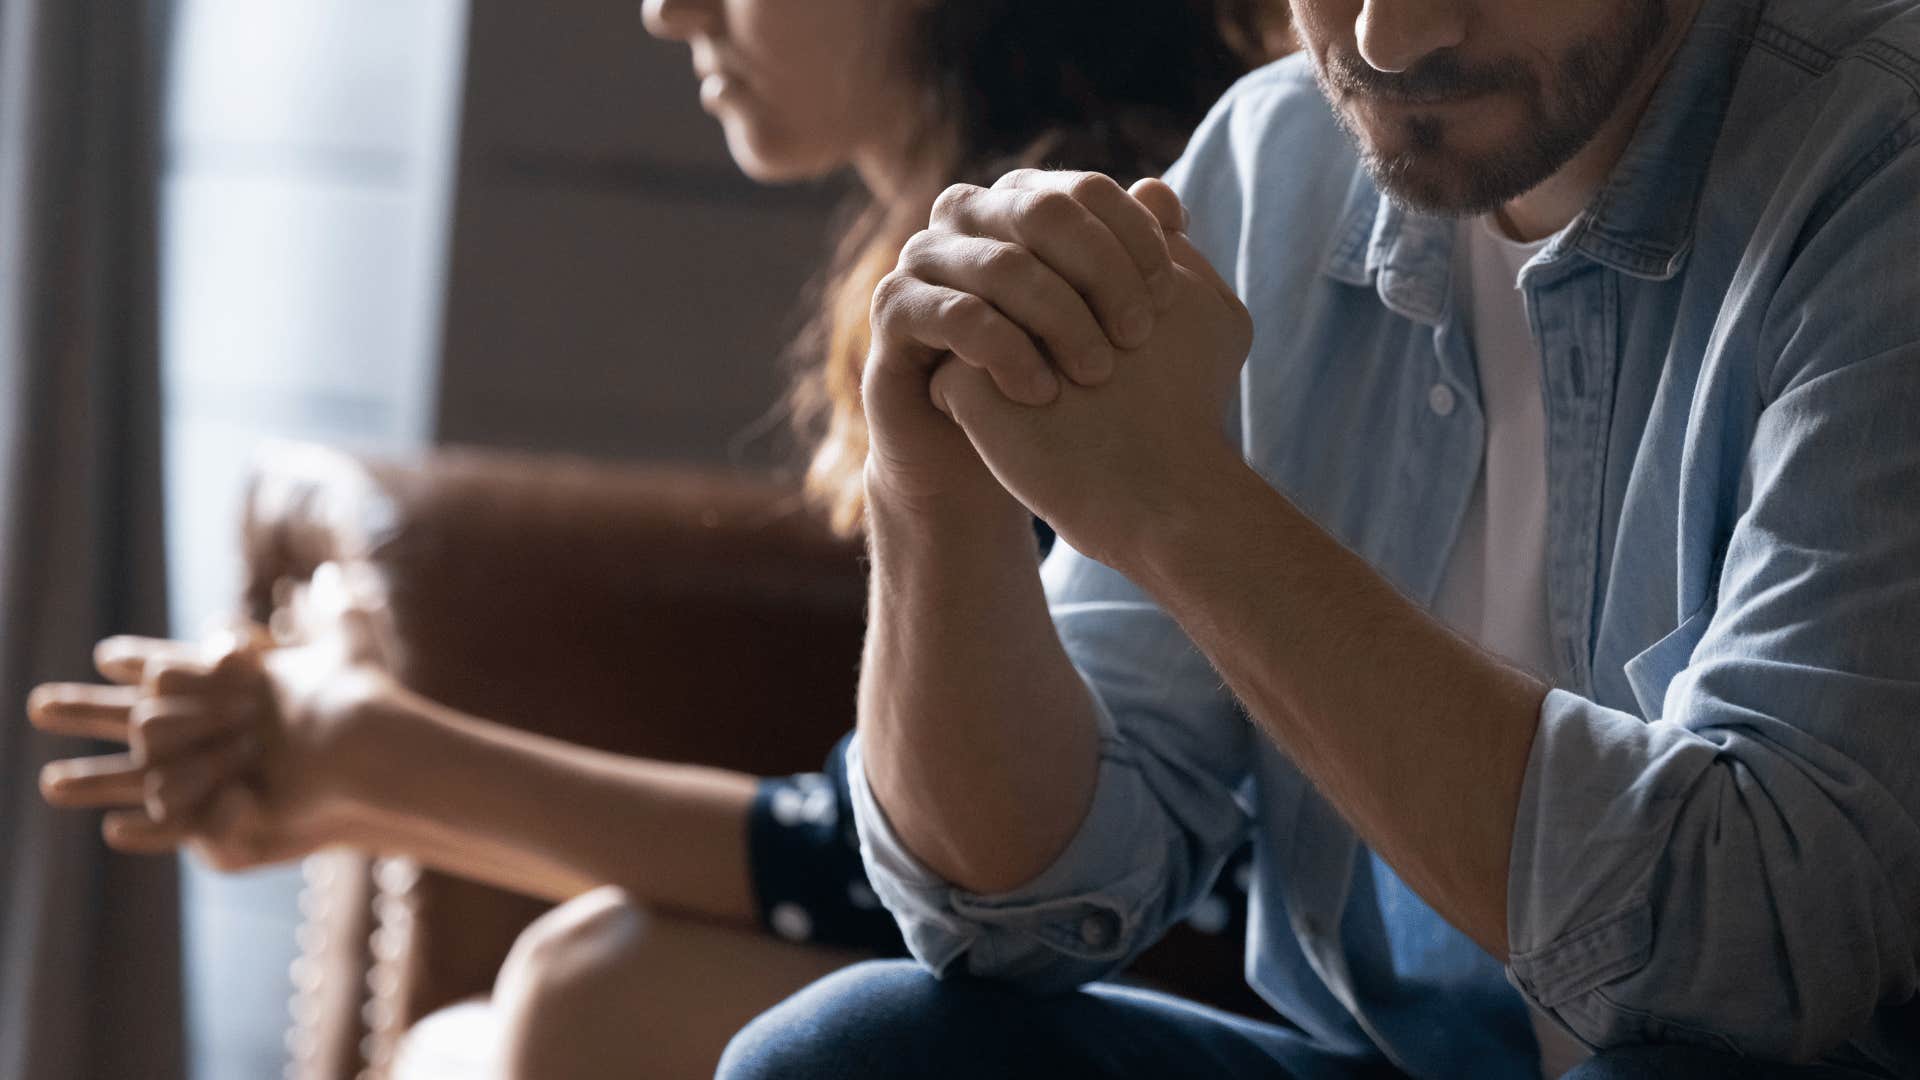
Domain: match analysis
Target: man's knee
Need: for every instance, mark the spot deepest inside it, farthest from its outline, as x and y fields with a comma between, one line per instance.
x=884, y=1018
x=563, y=969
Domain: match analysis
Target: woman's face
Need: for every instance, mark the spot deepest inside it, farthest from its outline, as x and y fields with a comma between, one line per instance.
x=801, y=87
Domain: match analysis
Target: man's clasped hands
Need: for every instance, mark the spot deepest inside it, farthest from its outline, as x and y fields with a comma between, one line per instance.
x=1055, y=337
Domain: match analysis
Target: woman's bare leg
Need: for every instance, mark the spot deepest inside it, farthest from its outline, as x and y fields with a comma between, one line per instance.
x=599, y=988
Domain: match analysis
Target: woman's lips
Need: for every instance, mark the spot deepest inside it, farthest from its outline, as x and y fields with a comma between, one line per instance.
x=717, y=87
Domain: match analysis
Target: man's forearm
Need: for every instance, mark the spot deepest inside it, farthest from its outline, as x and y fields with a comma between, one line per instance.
x=979, y=738
x=550, y=818
x=1419, y=738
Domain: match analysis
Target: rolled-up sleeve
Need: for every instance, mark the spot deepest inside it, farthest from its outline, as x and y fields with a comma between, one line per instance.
x=1165, y=815
x=1740, y=867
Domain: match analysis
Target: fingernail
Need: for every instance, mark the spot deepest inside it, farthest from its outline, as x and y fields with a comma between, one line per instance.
x=1136, y=326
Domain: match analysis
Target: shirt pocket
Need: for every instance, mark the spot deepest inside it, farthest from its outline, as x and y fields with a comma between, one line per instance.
x=1652, y=671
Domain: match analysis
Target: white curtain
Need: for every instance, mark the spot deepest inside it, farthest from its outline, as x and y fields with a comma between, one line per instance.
x=89, y=982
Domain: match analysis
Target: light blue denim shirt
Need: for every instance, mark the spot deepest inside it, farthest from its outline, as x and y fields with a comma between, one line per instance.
x=1718, y=839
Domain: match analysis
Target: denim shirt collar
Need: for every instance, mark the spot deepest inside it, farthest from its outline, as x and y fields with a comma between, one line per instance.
x=1640, y=222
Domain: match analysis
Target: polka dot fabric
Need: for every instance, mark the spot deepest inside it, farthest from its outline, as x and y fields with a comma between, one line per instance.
x=811, y=887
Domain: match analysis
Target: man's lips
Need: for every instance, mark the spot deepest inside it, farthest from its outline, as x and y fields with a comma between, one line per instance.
x=1412, y=101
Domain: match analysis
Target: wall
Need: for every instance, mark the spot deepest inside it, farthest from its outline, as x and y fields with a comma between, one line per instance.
x=616, y=288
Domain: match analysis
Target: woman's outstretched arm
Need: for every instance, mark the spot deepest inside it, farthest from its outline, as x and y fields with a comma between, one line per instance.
x=551, y=818
x=258, y=755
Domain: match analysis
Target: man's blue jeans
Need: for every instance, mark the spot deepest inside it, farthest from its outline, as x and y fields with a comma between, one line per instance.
x=890, y=1018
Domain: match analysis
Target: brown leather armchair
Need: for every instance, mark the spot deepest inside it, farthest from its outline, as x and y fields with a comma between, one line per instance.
x=674, y=592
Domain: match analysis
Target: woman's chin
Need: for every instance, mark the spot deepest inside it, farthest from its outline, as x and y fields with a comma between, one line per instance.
x=767, y=162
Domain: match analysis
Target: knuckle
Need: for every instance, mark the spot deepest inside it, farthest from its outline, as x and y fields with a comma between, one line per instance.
x=1093, y=186
x=1051, y=209
x=1242, y=322
x=918, y=248
x=1015, y=178
x=162, y=790
x=1002, y=260
x=965, y=311
x=889, y=293
x=954, y=200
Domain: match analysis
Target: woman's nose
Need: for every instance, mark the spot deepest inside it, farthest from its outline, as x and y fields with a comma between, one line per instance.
x=678, y=20
x=1394, y=34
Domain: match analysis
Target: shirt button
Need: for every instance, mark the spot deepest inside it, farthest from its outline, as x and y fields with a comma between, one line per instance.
x=1440, y=399
x=1099, y=930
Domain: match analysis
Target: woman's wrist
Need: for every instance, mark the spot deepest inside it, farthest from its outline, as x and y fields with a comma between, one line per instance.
x=376, y=742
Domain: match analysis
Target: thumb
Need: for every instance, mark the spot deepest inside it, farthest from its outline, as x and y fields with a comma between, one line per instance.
x=350, y=600
x=956, y=387
x=1154, y=194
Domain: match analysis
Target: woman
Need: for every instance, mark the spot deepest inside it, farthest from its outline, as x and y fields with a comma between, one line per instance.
x=254, y=754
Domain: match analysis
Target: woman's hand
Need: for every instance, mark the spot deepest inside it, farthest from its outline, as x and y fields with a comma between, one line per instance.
x=246, y=751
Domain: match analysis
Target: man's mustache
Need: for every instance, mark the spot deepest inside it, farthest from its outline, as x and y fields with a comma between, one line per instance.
x=1438, y=78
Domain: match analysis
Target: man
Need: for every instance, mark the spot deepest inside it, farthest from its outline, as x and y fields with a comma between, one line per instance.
x=1588, y=330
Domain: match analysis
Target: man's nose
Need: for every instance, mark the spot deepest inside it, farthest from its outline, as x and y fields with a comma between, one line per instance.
x=678, y=20
x=1394, y=34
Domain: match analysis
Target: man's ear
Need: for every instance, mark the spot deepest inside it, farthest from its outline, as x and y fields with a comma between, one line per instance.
x=1154, y=194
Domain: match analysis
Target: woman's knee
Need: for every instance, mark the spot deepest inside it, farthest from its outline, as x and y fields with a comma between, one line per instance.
x=566, y=970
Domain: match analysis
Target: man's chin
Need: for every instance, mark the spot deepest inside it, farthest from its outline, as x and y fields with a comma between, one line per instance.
x=1442, y=167
x=1429, y=191
x=1436, y=188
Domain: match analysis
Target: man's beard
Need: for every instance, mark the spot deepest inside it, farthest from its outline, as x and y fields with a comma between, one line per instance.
x=1430, y=176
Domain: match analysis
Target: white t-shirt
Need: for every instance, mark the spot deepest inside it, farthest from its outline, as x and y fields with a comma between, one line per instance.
x=1495, y=587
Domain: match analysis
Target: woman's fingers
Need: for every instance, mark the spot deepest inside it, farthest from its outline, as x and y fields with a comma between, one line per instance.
x=178, y=674
x=162, y=728
x=911, y=313
x=82, y=709
x=123, y=658
x=1031, y=295
x=133, y=832
x=176, y=790
x=92, y=782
